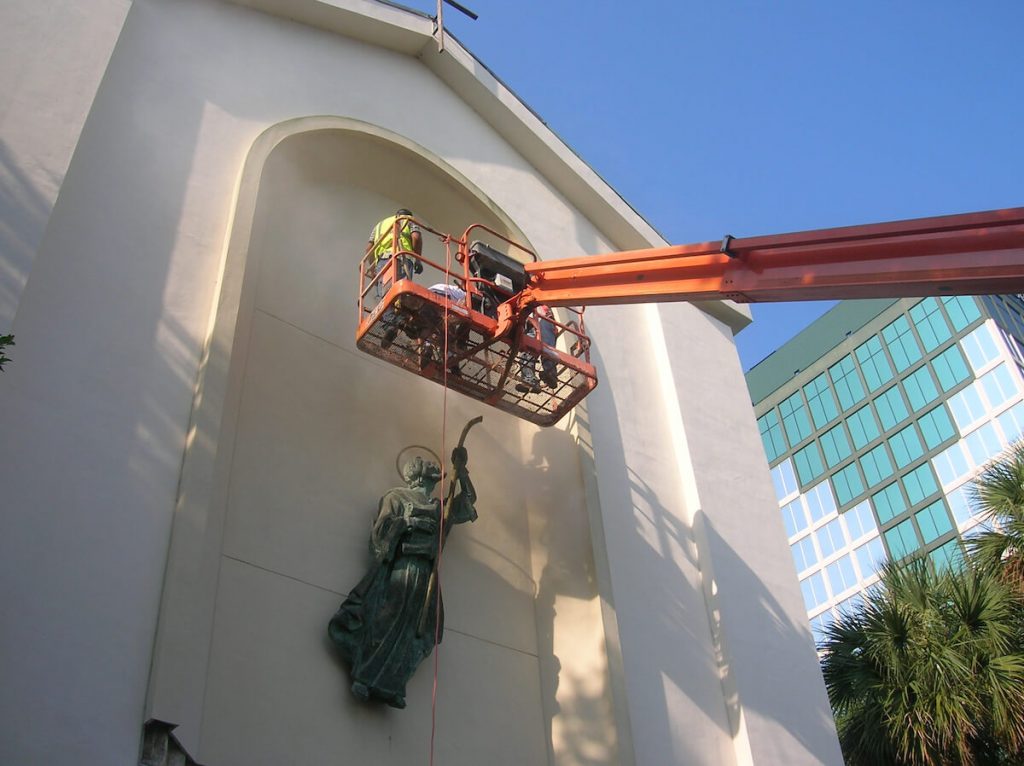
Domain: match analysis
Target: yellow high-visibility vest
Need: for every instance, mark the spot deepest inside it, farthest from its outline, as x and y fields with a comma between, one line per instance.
x=384, y=233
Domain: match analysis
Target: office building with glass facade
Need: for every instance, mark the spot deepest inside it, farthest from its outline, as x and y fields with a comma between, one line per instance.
x=874, y=420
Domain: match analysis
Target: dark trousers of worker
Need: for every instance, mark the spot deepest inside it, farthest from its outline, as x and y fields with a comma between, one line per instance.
x=528, y=362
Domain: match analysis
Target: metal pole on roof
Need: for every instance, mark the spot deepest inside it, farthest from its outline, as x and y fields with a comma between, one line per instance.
x=439, y=20
x=439, y=26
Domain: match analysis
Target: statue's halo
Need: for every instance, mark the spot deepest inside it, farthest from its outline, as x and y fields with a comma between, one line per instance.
x=414, y=450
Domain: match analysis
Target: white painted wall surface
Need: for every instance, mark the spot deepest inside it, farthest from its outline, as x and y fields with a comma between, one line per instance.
x=671, y=671
x=770, y=669
x=52, y=56
x=111, y=325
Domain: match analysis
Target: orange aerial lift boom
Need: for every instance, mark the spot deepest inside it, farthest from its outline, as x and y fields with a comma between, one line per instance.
x=970, y=254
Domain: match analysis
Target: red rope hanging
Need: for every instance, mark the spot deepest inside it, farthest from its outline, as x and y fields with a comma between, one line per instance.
x=441, y=524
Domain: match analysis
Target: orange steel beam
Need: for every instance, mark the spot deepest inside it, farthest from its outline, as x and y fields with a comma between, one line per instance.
x=969, y=254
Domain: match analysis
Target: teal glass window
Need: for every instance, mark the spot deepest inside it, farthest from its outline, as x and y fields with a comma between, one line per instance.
x=847, y=484
x=771, y=435
x=846, y=381
x=936, y=427
x=794, y=418
x=1012, y=422
x=947, y=556
x=902, y=344
x=933, y=521
x=962, y=310
x=906, y=446
x=999, y=386
x=979, y=347
x=863, y=427
x=950, y=368
x=920, y=483
x=873, y=363
x=808, y=463
x=870, y=557
x=891, y=408
x=820, y=401
x=835, y=446
x=889, y=502
x=920, y=388
x=902, y=539
x=930, y=324
x=876, y=466
x=859, y=520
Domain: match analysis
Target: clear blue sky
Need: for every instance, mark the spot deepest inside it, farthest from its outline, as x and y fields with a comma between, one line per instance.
x=764, y=117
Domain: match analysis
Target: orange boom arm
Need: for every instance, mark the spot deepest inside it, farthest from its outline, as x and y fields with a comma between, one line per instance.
x=971, y=254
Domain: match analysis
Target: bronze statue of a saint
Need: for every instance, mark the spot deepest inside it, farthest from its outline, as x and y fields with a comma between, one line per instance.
x=389, y=621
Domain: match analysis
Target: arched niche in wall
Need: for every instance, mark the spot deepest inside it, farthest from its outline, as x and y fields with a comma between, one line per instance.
x=310, y=193
x=294, y=431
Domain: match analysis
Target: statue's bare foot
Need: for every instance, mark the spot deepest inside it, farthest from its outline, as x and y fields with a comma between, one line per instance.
x=361, y=691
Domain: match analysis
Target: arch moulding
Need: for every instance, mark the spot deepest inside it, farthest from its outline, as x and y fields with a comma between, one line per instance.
x=181, y=652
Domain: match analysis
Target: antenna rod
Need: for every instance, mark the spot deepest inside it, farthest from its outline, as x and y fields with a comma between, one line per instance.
x=462, y=8
x=439, y=20
x=439, y=26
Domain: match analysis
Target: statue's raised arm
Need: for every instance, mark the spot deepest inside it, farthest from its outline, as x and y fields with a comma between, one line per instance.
x=461, y=504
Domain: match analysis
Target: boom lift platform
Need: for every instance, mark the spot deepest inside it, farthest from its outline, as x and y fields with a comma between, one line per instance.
x=493, y=345
x=406, y=325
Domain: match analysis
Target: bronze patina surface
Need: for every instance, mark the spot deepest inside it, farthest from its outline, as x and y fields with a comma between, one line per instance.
x=388, y=624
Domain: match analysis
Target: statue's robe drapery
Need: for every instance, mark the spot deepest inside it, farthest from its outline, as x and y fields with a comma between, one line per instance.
x=387, y=625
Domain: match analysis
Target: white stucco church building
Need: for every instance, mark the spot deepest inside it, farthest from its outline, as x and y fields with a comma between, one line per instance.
x=192, y=447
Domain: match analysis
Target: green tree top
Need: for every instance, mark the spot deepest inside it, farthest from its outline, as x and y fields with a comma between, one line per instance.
x=998, y=497
x=929, y=670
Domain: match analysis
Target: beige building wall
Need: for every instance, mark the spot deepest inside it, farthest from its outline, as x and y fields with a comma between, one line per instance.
x=186, y=362
x=52, y=56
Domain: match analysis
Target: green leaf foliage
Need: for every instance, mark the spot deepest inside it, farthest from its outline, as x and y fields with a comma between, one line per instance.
x=929, y=669
x=998, y=497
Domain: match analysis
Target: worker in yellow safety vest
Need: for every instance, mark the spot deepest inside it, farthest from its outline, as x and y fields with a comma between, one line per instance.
x=382, y=246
